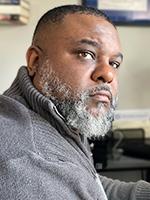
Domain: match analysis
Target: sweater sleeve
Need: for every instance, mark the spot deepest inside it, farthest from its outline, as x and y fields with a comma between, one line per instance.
x=119, y=190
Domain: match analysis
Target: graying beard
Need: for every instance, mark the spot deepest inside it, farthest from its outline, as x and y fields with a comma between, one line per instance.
x=79, y=118
x=75, y=112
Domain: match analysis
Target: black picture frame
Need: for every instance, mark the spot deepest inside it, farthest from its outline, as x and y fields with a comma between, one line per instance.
x=138, y=18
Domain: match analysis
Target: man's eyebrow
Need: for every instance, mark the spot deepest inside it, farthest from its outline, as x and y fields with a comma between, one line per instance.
x=89, y=42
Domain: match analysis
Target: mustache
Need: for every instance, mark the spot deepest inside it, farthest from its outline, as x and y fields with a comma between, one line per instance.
x=104, y=86
x=99, y=88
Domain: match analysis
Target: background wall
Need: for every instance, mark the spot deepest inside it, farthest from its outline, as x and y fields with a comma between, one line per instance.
x=135, y=71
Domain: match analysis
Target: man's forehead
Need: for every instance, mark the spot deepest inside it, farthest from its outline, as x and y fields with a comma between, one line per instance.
x=87, y=25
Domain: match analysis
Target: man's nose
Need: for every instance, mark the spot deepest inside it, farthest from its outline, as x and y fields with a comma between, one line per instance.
x=103, y=72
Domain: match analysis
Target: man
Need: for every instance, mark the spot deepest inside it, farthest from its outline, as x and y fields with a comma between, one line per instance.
x=66, y=94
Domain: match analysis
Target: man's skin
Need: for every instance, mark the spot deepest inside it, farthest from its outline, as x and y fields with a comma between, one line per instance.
x=84, y=51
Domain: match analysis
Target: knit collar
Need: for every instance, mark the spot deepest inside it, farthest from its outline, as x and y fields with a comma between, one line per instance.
x=36, y=100
x=23, y=87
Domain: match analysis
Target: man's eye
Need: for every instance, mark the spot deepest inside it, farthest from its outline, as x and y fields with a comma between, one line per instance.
x=115, y=64
x=87, y=55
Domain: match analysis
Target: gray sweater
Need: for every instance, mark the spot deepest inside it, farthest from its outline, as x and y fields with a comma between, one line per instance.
x=43, y=159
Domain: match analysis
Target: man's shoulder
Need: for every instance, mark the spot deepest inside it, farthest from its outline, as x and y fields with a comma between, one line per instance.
x=15, y=127
x=13, y=114
x=11, y=107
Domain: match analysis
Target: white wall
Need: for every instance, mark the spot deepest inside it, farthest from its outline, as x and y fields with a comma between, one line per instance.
x=134, y=74
x=135, y=71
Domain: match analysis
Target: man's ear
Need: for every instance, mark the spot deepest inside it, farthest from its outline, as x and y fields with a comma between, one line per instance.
x=32, y=58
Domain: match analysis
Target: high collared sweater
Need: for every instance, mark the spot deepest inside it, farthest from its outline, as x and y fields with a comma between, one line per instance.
x=43, y=159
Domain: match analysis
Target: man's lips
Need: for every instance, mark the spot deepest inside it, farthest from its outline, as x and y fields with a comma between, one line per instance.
x=102, y=96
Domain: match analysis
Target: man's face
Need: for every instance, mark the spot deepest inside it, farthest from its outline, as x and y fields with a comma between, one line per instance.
x=79, y=70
